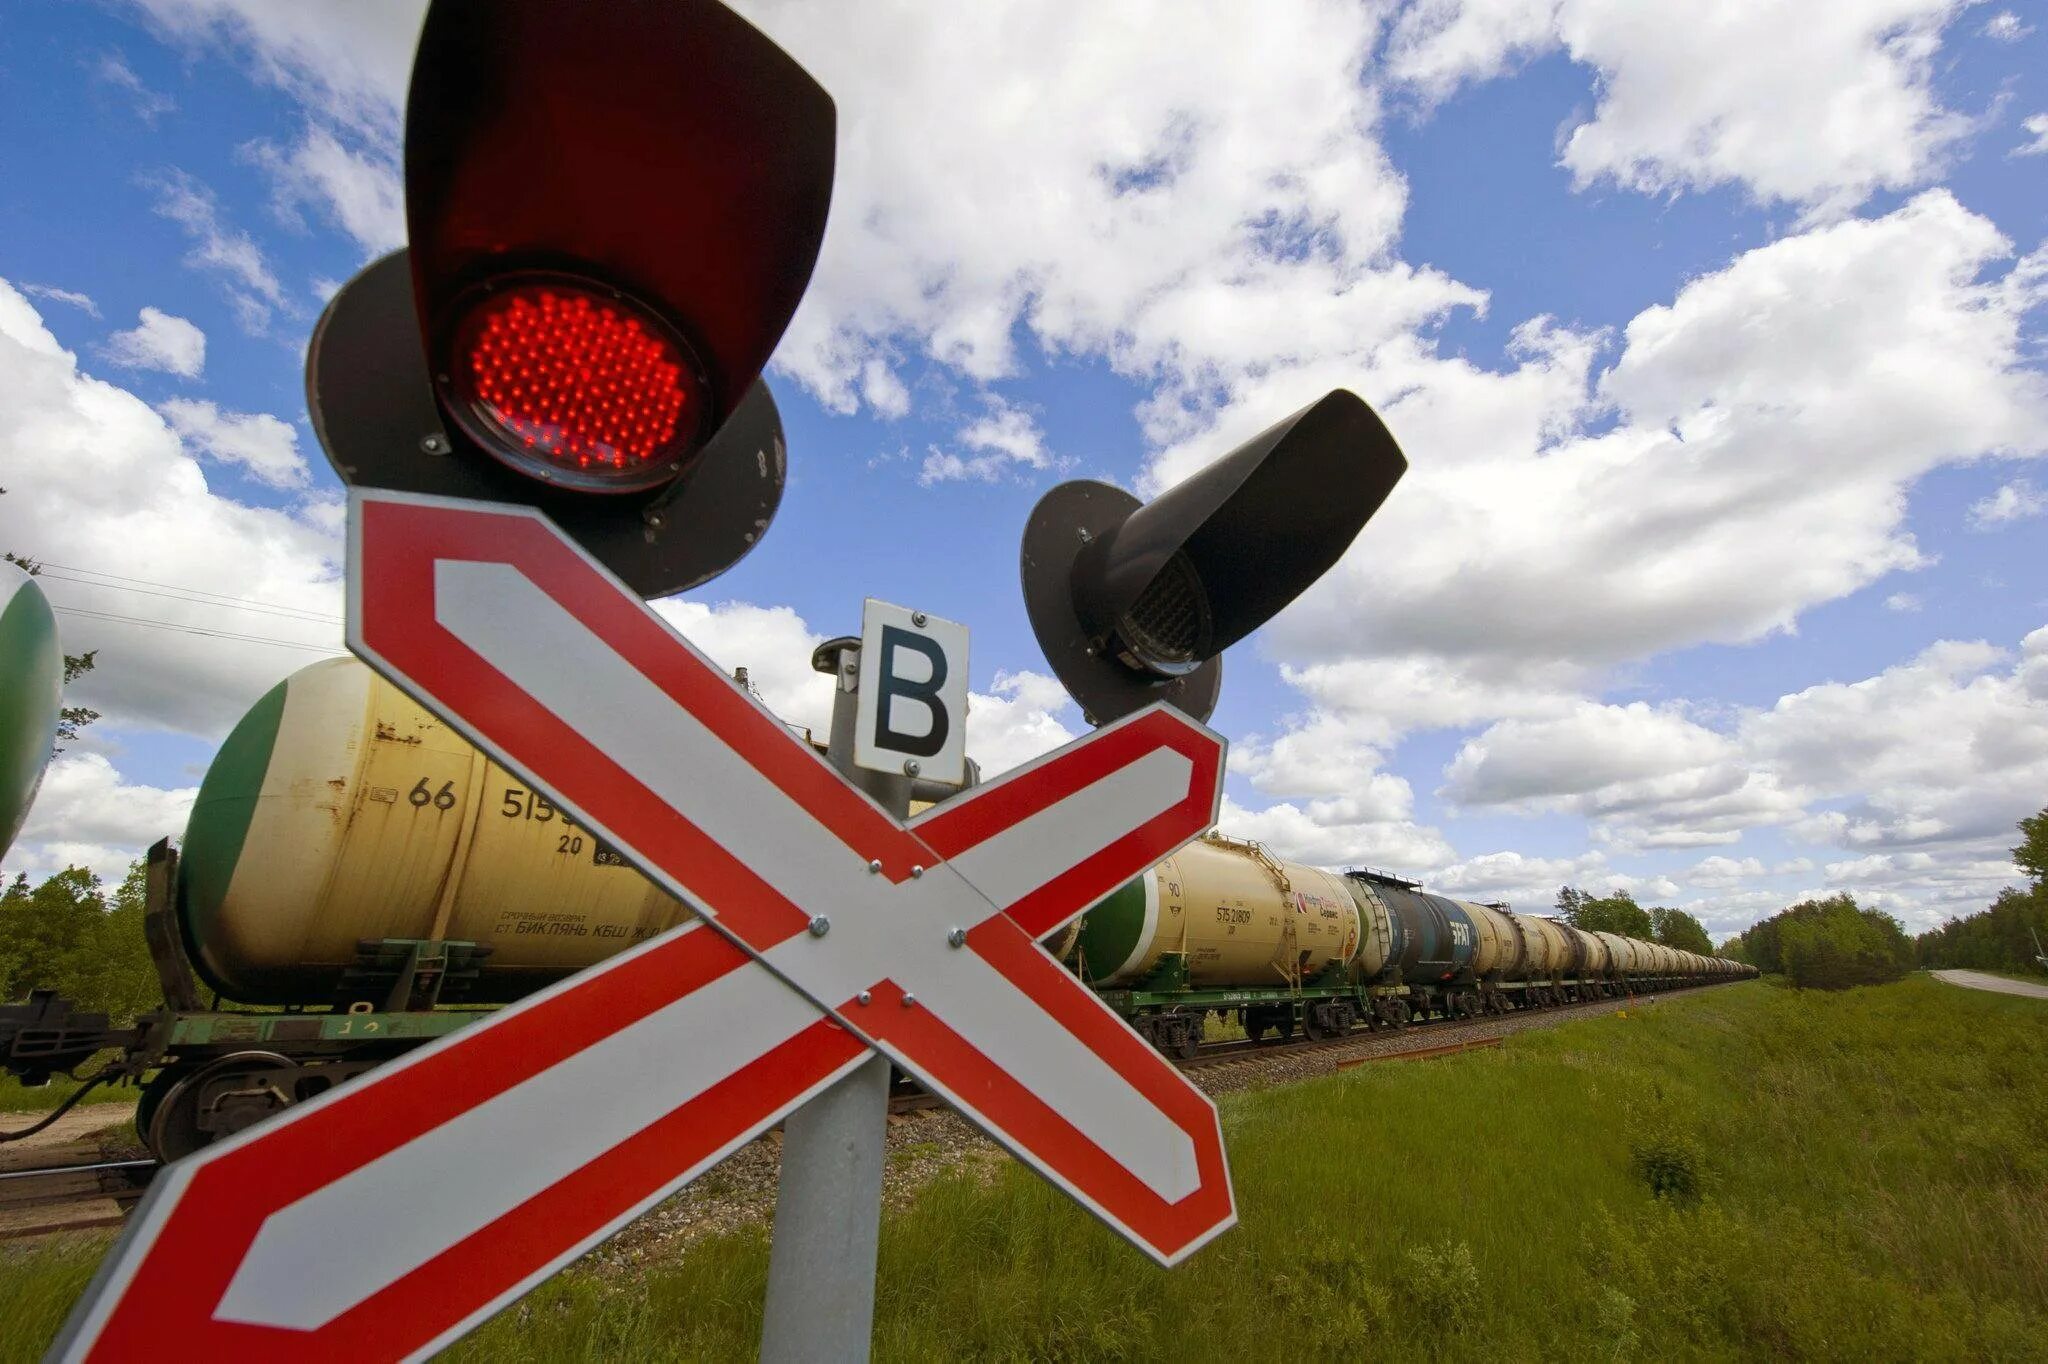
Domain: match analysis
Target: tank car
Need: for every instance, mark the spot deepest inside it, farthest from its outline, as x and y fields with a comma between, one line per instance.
x=341, y=823
x=31, y=695
x=1223, y=916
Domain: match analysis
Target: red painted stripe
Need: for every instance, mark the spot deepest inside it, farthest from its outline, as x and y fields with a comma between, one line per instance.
x=1027, y=1122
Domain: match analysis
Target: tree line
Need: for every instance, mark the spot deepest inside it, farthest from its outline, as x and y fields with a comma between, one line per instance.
x=2009, y=935
x=1619, y=913
x=71, y=935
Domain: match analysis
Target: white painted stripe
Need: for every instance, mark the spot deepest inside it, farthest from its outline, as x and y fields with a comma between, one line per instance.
x=1022, y=858
x=320, y=1256
x=1147, y=933
x=878, y=930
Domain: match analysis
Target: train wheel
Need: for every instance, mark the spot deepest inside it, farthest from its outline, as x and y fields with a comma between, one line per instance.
x=1312, y=1024
x=178, y=1125
x=1187, y=1040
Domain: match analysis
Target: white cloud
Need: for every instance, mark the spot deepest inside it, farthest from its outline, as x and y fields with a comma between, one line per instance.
x=1007, y=439
x=2005, y=27
x=1337, y=832
x=772, y=643
x=2036, y=127
x=360, y=192
x=1024, y=717
x=88, y=815
x=116, y=493
x=2014, y=501
x=1438, y=45
x=1759, y=466
x=223, y=249
x=1528, y=883
x=1651, y=778
x=1817, y=106
x=70, y=298
x=1922, y=770
x=160, y=341
x=149, y=105
x=256, y=441
x=1617, y=751
x=1904, y=602
x=1715, y=873
x=349, y=62
x=1942, y=752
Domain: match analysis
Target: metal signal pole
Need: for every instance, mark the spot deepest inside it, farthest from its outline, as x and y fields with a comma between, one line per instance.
x=820, y=1306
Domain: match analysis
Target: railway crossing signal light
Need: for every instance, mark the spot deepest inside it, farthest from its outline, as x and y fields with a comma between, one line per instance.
x=612, y=210
x=1135, y=602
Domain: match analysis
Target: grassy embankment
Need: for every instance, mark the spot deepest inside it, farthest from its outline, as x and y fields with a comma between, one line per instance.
x=1858, y=1176
x=18, y=1098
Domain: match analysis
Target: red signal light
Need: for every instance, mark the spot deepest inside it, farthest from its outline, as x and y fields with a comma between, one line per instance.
x=575, y=385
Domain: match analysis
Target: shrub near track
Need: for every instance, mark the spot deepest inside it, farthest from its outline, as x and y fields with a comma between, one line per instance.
x=1741, y=1171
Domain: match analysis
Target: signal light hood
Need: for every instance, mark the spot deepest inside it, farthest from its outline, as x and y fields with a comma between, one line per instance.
x=1134, y=602
x=669, y=150
x=662, y=172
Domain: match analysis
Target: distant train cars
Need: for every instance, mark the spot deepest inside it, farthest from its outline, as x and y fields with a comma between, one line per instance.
x=1224, y=926
x=375, y=881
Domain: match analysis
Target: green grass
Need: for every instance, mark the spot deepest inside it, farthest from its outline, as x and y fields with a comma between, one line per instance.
x=16, y=1097
x=1853, y=1176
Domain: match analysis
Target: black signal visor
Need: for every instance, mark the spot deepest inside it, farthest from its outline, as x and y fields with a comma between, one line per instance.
x=1134, y=602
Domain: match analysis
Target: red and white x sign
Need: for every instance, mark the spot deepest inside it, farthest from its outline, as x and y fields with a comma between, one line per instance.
x=394, y=1213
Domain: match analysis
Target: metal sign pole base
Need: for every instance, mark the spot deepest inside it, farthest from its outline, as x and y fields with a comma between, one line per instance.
x=828, y=1218
x=820, y=1306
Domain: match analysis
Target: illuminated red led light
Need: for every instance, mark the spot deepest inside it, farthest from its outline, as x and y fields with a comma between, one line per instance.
x=575, y=385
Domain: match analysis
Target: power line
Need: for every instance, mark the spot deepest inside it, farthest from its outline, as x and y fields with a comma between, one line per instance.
x=309, y=616
x=197, y=630
x=222, y=598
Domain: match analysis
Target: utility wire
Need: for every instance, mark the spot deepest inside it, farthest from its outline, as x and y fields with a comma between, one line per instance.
x=197, y=630
x=308, y=616
x=192, y=593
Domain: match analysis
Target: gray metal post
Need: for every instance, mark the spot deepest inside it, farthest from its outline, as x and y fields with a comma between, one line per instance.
x=828, y=1209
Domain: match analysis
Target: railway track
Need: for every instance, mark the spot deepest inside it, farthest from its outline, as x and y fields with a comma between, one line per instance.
x=51, y=1198
x=40, y=1200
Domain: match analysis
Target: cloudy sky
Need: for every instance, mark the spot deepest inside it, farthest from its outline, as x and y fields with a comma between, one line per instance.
x=1713, y=334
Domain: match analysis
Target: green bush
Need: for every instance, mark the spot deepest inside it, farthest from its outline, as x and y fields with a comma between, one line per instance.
x=1830, y=944
x=1669, y=1157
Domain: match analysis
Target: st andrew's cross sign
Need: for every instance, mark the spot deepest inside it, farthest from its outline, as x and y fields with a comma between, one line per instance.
x=388, y=1216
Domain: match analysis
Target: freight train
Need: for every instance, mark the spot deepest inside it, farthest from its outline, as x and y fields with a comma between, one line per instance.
x=359, y=879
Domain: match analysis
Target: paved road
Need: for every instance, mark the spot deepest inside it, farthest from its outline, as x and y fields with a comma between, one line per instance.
x=1977, y=980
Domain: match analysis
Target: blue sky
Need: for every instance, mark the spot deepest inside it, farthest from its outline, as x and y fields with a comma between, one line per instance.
x=1715, y=344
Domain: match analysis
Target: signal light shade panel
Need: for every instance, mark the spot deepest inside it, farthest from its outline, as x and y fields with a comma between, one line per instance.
x=1135, y=602
x=613, y=211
